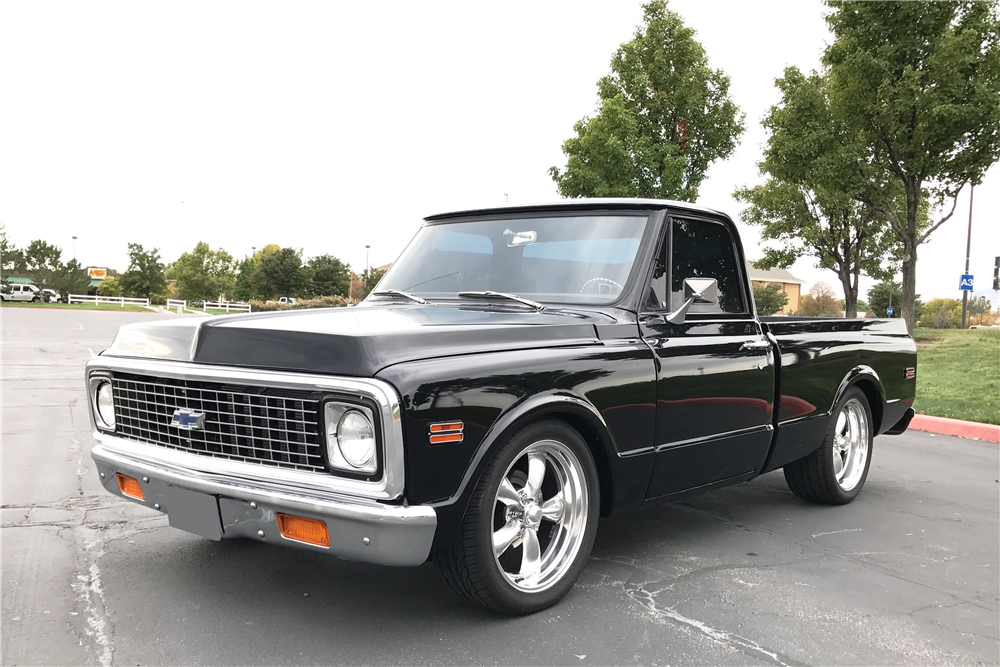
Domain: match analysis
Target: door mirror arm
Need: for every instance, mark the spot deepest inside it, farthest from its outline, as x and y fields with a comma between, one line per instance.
x=696, y=290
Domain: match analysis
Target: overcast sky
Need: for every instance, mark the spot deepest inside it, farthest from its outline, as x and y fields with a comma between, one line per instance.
x=329, y=126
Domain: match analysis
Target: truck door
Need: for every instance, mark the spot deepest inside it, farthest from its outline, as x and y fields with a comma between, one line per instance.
x=715, y=374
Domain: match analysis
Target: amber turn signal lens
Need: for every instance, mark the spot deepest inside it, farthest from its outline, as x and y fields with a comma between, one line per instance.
x=447, y=426
x=130, y=487
x=303, y=529
x=450, y=437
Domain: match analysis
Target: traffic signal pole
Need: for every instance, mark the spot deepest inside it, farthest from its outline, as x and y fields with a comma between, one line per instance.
x=968, y=249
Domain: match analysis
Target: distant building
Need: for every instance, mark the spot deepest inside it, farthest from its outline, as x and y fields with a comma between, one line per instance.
x=790, y=285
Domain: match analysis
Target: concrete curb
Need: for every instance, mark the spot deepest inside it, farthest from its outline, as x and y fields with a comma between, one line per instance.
x=957, y=427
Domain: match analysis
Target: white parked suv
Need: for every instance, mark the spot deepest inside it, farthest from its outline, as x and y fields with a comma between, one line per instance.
x=21, y=293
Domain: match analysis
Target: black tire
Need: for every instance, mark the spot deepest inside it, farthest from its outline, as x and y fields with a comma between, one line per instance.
x=470, y=567
x=35, y=299
x=815, y=476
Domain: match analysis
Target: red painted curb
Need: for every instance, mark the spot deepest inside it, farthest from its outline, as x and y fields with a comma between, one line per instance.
x=958, y=427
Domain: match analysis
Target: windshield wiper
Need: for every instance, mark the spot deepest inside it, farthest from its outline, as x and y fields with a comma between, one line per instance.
x=396, y=292
x=501, y=295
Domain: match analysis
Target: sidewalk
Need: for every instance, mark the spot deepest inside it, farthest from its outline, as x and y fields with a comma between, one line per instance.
x=957, y=427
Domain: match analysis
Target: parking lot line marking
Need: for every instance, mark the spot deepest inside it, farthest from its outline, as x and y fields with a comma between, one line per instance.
x=91, y=352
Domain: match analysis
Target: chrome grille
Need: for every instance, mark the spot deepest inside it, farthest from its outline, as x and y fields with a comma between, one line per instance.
x=268, y=426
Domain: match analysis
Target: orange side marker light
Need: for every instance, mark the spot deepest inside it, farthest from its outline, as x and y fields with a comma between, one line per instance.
x=303, y=529
x=446, y=432
x=130, y=487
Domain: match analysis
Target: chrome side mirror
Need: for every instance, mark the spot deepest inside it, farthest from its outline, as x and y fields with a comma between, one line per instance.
x=696, y=290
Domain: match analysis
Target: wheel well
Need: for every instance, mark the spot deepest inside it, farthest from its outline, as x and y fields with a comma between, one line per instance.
x=874, y=397
x=599, y=451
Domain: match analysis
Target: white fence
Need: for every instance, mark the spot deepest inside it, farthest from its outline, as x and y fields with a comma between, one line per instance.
x=176, y=303
x=227, y=306
x=97, y=298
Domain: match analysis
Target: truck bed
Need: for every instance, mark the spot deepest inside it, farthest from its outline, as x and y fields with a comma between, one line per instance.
x=818, y=356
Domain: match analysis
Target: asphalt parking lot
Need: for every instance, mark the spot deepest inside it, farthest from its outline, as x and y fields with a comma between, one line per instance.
x=907, y=574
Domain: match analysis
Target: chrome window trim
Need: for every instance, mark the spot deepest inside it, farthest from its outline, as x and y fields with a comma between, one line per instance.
x=390, y=486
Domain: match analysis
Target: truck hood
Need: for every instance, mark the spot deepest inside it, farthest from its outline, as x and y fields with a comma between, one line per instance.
x=353, y=341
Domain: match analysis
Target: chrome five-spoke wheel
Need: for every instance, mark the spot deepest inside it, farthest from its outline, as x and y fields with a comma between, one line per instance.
x=850, y=444
x=540, y=516
x=836, y=471
x=530, y=522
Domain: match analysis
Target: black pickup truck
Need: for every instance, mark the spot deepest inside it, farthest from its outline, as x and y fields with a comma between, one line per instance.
x=516, y=374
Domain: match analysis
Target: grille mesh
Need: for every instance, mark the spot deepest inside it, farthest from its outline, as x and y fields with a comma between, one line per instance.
x=278, y=428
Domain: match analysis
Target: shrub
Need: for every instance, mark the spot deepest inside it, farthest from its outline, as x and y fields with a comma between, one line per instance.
x=942, y=314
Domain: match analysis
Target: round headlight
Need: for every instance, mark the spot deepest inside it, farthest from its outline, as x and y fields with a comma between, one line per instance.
x=356, y=437
x=106, y=404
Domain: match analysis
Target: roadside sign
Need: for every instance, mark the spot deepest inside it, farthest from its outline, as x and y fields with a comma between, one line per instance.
x=888, y=311
x=966, y=284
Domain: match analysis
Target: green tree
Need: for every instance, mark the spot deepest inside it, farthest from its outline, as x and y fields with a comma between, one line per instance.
x=203, y=273
x=328, y=276
x=145, y=276
x=918, y=83
x=42, y=262
x=978, y=305
x=243, y=289
x=769, y=298
x=11, y=257
x=369, y=280
x=71, y=278
x=806, y=204
x=110, y=286
x=279, y=273
x=879, y=298
x=664, y=117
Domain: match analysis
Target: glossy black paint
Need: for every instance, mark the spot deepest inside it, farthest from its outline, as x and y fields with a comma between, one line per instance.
x=819, y=360
x=666, y=409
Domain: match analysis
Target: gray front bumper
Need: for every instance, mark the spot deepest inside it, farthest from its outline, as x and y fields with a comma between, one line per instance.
x=363, y=530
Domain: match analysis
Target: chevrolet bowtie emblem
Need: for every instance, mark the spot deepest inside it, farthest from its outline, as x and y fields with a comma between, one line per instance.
x=188, y=420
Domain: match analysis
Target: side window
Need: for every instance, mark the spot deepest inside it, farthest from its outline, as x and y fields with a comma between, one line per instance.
x=705, y=249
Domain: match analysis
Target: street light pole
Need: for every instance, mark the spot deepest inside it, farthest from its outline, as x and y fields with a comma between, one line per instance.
x=367, y=248
x=968, y=250
x=74, y=247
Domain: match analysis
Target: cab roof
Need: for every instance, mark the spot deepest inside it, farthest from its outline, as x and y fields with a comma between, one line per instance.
x=578, y=204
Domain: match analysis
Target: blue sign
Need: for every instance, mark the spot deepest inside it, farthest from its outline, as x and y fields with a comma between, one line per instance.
x=966, y=285
x=888, y=311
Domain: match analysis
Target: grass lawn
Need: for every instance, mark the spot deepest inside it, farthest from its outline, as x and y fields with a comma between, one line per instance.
x=958, y=374
x=77, y=306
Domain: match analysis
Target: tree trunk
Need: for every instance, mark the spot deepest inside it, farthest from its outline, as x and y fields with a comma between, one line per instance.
x=850, y=296
x=909, y=295
x=850, y=303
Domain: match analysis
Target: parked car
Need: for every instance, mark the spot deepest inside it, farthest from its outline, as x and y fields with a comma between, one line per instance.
x=21, y=292
x=519, y=373
x=288, y=299
x=50, y=295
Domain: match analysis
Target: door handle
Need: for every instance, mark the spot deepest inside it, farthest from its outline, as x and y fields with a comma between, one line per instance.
x=756, y=344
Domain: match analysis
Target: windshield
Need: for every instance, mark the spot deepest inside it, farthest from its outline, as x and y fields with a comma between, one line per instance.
x=574, y=259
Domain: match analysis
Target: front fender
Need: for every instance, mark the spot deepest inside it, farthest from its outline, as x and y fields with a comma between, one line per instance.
x=606, y=392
